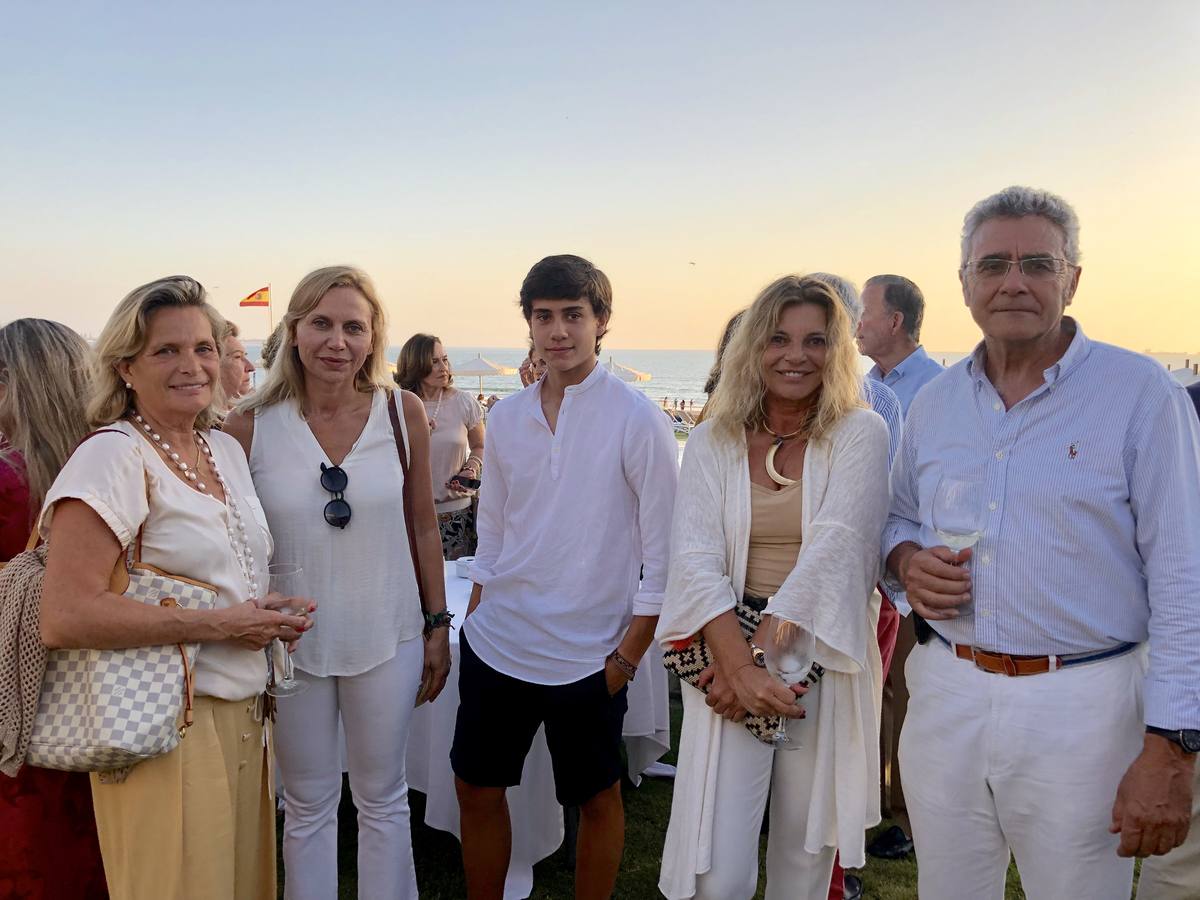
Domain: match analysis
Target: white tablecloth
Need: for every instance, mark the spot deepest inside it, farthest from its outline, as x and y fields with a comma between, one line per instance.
x=537, y=822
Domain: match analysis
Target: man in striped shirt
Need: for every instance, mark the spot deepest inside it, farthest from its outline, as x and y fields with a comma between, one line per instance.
x=1055, y=711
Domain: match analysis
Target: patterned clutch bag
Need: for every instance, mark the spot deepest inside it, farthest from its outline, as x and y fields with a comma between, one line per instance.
x=105, y=710
x=689, y=661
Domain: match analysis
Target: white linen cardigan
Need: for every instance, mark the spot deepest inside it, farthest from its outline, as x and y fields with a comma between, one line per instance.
x=830, y=593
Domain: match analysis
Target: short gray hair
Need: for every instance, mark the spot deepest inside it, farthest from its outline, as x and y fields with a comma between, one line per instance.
x=846, y=292
x=902, y=295
x=1018, y=201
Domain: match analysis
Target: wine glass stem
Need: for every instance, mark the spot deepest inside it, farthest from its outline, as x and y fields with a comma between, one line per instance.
x=289, y=674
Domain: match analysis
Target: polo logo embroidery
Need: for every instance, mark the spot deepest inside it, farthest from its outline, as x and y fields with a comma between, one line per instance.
x=1073, y=450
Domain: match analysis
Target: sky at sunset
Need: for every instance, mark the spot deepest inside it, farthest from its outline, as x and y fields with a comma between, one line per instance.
x=693, y=151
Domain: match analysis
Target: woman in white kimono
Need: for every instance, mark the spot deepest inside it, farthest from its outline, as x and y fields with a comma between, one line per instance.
x=783, y=496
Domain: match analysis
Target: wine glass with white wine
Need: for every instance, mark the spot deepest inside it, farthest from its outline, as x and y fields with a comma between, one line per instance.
x=790, y=652
x=285, y=580
x=958, y=518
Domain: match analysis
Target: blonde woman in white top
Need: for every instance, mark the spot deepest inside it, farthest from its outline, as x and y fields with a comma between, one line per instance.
x=198, y=821
x=782, y=498
x=455, y=439
x=324, y=460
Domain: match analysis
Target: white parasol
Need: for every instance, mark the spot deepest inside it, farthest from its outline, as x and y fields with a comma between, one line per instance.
x=482, y=368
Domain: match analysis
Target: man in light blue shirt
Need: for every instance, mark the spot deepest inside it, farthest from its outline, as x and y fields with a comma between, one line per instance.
x=889, y=332
x=1057, y=704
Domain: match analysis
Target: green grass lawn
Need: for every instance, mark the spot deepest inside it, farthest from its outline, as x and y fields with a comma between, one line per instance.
x=647, y=809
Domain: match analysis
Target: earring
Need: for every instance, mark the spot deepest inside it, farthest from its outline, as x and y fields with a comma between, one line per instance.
x=128, y=386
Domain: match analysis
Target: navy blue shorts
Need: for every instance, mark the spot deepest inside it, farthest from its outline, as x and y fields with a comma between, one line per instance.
x=498, y=716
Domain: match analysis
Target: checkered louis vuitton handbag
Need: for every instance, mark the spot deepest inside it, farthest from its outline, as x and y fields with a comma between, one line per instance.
x=104, y=710
x=107, y=710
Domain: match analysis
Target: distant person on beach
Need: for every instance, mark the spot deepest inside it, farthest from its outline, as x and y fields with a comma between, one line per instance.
x=323, y=435
x=455, y=439
x=1053, y=708
x=581, y=482
x=50, y=850
x=783, y=493
x=237, y=372
x=889, y=332
x=1176, y=876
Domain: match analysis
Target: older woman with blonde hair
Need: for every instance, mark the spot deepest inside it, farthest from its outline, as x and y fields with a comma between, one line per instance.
x=783, y=494
x=45, y=815
x=455, y=439
x=197, y=821
x=323, y=435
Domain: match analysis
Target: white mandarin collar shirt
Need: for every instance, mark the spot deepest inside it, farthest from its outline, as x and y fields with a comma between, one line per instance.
x=567, y=521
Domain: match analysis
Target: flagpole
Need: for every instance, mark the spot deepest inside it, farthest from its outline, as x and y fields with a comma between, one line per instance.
x=270, y=317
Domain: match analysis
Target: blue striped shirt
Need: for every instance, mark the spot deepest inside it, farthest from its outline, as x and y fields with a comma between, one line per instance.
x=885, y=402
x=1091, y=531
x=908, y=377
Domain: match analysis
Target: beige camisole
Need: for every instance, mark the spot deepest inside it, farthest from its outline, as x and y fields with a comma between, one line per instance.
x=774, y=537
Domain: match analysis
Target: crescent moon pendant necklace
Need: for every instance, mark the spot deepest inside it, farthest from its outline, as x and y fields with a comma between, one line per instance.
x=781, y=480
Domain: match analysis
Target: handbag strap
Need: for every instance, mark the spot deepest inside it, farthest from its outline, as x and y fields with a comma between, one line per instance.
x=400, y=435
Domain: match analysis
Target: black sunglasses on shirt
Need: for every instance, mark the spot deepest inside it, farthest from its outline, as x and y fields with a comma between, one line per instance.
x=337, y=511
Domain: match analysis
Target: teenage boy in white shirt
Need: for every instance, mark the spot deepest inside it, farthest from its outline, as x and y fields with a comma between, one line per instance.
x=576, y=501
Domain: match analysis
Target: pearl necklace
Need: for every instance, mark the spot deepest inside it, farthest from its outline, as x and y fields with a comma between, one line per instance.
x=235, y=526
x=437, y=410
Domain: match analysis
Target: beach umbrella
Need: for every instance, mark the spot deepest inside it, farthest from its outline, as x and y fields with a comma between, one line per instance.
x=482, y=368
x=625, y=373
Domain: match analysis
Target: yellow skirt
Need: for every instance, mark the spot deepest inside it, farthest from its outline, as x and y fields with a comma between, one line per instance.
x=199, y=822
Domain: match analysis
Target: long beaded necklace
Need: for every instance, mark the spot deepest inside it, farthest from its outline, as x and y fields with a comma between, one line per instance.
x=235, y=525
x=437, y=410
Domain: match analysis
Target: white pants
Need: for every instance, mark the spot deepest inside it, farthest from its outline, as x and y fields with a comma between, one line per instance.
x=375, y=709
x=1176, y=876
x=749, y=770
x=1028, y=764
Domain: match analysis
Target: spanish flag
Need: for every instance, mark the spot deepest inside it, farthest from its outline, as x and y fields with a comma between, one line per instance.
x=261, y=297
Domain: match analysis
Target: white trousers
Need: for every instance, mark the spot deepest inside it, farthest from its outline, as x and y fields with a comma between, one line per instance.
x=1176, y=876
x=1029, y=764
x=375, y=708
x=749, y=771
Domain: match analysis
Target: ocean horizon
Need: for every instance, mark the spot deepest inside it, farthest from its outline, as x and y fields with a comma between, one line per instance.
x=674, y=374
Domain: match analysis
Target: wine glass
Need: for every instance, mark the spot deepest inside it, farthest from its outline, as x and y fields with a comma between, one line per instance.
x=958, y=518
x=790, y=652
x=284, y=578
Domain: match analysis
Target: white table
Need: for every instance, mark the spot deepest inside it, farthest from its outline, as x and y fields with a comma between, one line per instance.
x=537, y=822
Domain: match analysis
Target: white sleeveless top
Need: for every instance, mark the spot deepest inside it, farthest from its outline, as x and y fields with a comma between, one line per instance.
x=361, y=576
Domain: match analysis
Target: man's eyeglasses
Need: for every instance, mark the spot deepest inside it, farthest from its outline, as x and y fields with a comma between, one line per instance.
x=337, y=511
x=1031, y=267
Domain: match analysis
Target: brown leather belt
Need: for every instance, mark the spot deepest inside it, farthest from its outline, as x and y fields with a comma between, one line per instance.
x=1015, y=665
x=1005, y=663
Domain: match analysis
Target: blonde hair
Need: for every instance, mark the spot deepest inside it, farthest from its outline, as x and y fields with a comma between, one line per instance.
x=44, y=367
x=738, y=402
x=285, y=374
x=124, y=337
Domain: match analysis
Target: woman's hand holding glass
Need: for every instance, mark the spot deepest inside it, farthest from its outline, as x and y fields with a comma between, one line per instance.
x=790, y=652
x=253, y=627
x=284, y=587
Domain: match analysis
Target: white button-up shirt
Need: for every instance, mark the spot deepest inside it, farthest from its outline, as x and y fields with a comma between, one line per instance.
x=908, y=377
x=1091, y=526
x=567, y=519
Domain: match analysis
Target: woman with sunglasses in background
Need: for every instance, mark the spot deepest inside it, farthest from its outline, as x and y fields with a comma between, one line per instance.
x=455, y=439
x=324, y=458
